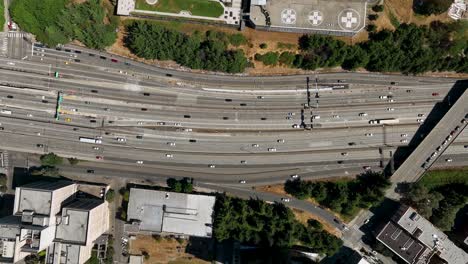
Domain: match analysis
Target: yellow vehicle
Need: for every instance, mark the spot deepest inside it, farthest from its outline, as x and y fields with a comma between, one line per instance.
x=67, y=119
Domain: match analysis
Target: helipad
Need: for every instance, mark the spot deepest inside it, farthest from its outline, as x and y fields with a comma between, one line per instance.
x=335, y=17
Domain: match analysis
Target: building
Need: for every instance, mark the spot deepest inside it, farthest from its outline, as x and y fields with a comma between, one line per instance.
x=414, y=239
x=331, y=17
x=168, y=212
x=49, y=216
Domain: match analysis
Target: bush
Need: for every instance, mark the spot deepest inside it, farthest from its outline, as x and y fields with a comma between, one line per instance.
x=287, y=58
x=184, y=186
x=263, y=46
x=110, y=195
x=237, y=39
x=145, y=255
x=269, y=58
x=378, y=8
x=371, y=28
x=51, y=159
x=429, y=7
x=373, y=17
x=314, y=224
x=73, y=161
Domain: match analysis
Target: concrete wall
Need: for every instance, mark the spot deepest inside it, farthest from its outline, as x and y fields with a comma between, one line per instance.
x=98, y=222
x=60, y=195
x=85, y=253
x=47, y=236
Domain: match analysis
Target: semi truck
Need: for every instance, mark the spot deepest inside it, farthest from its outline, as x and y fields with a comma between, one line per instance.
x=90, y=140
x=384, y=121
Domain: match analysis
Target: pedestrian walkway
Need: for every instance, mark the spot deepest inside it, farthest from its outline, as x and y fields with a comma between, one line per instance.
x=14, y=34
x=3, y=44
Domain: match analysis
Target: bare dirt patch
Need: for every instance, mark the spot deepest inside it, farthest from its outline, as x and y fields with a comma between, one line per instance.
x=167, y=250
x=403, y=10
x=302, y=217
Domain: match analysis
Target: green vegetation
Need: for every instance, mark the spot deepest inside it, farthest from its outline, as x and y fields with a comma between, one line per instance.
x=344, y=197
x=94, y=259
x=282, y=45
x=50, y=159
x=429, y=7
x=204, y=8
x=46, y=171
x=73, y=161
x=2, y=14
x=393, y=19
x=263, y=46
x=208, y=52
x=378, y=8
x=237, y=39
x=269, y=58
x=270, y=225
x=408, y=49
x=110, y=251
x=371, y=28
x=287, y=58
x=110, y=195
x=183, y=186
x=436, y=178
x=439, y=204
x=35, y=258
x=373, y=17
x=57, y=21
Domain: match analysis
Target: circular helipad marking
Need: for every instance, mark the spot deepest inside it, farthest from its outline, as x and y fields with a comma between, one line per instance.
x=288, y=16
x=349, y=19
x=315, y=17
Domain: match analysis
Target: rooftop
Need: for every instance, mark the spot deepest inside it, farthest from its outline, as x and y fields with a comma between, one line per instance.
x=46, y=186
x=332, y=16
x=170, y=212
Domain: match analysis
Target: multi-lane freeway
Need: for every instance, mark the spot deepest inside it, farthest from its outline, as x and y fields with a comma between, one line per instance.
x=217, y=128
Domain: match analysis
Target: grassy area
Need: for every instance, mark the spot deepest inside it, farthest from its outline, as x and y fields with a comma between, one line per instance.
x=2, y=15
x=196, y=7
x=433, y=179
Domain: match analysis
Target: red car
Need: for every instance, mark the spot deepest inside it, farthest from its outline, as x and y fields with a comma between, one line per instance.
x=114, y=60
x=99, y=157
x=435, y=94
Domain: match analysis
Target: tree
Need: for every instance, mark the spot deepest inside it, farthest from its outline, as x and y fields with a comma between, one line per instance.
x=184, y=185
x=237, y=39
x=373, y=17
x=51, y=159
x=47, y=171
x=371, y=28
x=314, y=224
x=263, y=46
x=287, y=58
x=269, y=58
x=73, y=161
x=429, y=7
x=110, y=195
x=378, y=8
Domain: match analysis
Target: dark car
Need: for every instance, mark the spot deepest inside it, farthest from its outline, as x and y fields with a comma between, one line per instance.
x=114, y=60
x=90, y=171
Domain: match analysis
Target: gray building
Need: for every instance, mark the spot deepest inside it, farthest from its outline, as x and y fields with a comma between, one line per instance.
x=331, y=17
x=414, y=239
x=169, y=212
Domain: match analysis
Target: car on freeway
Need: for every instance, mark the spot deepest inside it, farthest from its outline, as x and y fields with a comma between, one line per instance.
x=288, y=118
x=38, y=133
x=438, y=148
x=144, y=109
x=39, y=145
x=291, y=114
x=89, y=171
x=260, y=97
x=366, y=167
x=383, y=97
x=212, y=166
x=448, y=160
x=404, y=141
x=255, y=145
x=295, y=126
x=139, y=162
x=280, y=140
x=352, y=143
x=434, y=154
x=139, y=136
x=243, y=162
x=188, y=130
x=271, y=149
x=114, y=60
x=390, y=100
x=435, y=94
x=242, y=181
x=421, y=115
x=99, y=157
x=368, y=134
x=286, y=200
x=336, y=116
x=294, y=176
x=160, y=123
x=169, y=155
x=466, y=146
x=344, y=153
x=394, y=83
x=172, y=144
x=139, y=123
x=456, y=128
x=445, y=142
x=404, y=135
x=177, y=124
x=96, y=148
x=146, y=94
x=121, y=139
x=315, y=117
x=363, y=114
x=2, y=128
x=419, y=120
x=74, y=110
x=390, y=109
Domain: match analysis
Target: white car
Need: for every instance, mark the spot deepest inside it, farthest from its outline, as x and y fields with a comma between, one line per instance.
x=280, y=140
x=140, y=123
x=362, y=114
x=336, y=116
x=419, y=120
x=172, y=144
x=404, y=135
x=448, y=160
x=294, y=176
x=121, y=139
x=243, y=162
x=74, y=110
x=404, y=141
x=390, y=109
x=139, y=162
x=188, y=130
x=344, y=153
x=177, y=124
x=242, y=181
x=366, y=167
x=212, y=166
x=390, y=100
x=315, y=117
x=368, y=134
x=96, y=148
x=421, y=115
x=169, y=156
x=255, y=145
x=272, y=149
x=295, y=126
x=286, y=200
x=383, y=97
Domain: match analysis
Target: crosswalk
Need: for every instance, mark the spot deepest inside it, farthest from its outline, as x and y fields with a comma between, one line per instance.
x=4, y=44
x=13, y=34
